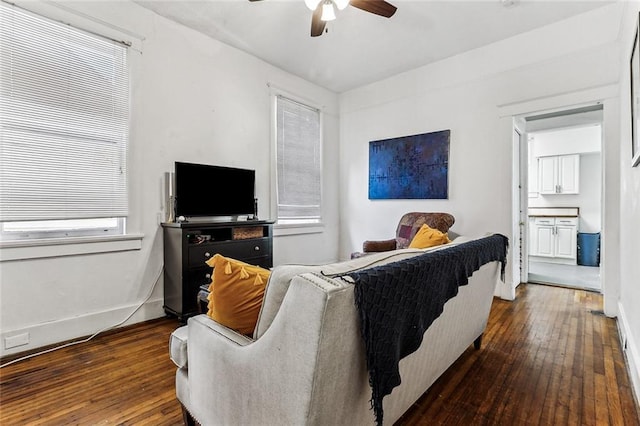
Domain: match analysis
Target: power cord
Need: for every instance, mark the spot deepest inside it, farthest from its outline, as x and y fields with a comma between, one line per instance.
x=155, y=283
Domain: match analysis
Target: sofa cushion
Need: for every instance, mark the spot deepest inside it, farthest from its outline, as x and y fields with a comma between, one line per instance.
x=178, y=346
x=235, y=293
x=428, y=237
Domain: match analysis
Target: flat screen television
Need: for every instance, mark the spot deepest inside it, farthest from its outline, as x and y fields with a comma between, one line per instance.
x=203, y=190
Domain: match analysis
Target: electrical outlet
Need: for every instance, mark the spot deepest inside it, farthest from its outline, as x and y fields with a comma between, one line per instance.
x=17, y=340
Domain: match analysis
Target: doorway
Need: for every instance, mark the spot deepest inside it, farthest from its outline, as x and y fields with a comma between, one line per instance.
x=562, y=217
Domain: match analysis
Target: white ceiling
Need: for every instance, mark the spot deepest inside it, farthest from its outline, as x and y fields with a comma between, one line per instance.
x=360, y=47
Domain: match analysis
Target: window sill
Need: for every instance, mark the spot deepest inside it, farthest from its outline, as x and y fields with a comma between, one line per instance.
x=297, y=229
x=71, y=246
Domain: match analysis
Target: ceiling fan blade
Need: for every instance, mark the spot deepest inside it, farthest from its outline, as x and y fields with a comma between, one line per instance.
x=317, y=24
x=379, y=7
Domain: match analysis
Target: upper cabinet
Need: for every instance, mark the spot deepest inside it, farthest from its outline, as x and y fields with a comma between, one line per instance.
x=559, y=174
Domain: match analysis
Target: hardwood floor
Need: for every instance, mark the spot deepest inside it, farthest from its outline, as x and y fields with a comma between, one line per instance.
x=123, y=378
x=548, y=358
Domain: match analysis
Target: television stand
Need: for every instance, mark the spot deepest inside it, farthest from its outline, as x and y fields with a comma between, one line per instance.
x=188, y=245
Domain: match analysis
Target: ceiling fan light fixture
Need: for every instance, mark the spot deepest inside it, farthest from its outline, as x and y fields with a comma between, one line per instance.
x=312, y=4
x=328, y=14
x=341, y=4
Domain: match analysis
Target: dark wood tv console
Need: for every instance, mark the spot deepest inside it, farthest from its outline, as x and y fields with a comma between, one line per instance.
x=188, y=245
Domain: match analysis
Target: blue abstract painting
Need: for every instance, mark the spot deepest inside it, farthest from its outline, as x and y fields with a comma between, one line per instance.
x=410, y=167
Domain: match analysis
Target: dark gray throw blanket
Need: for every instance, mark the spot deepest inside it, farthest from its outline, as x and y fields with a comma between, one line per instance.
x=398, y=301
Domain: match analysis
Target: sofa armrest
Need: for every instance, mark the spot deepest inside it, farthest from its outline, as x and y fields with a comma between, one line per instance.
x=178, y=341
x=370, y=246
x=226, y=368
x=178, y=347
x=221, y=332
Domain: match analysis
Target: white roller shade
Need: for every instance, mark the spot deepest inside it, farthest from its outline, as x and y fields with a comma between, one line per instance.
x=64, y=112
x=298, y=161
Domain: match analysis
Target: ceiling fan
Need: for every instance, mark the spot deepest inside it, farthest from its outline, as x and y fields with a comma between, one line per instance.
x=324, y=10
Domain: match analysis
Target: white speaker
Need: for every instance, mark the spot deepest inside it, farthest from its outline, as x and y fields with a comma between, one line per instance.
x=170, y=199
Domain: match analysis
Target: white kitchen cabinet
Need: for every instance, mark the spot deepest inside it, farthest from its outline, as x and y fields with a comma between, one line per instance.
x=559, y=174
x=566, y=244
x=547, y=175
x=545, y=237
x=554, y=239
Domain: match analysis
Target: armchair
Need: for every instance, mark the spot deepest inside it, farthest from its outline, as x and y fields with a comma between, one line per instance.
x=409, y=224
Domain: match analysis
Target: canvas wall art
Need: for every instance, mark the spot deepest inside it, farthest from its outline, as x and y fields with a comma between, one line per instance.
x=410, y=167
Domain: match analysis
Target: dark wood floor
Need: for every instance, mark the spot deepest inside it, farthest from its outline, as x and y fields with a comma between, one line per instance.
x=549, y=358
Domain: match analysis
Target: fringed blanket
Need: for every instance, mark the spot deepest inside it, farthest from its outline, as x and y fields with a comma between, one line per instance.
x=398, y=301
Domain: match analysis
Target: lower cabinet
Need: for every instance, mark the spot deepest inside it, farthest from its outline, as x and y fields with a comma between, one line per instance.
x=554, y=239
x=187, y=247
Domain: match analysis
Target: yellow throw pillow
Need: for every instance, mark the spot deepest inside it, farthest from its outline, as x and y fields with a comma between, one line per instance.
x=235, y=293
x=428, y=237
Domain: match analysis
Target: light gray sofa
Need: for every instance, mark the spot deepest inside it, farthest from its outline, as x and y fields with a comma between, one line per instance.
x=305, y=364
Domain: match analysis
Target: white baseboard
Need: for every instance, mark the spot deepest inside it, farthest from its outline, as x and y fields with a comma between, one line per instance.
x=53, y=332
x=631, y=351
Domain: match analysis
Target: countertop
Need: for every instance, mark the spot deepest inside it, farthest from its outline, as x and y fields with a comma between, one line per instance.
x=553, y=212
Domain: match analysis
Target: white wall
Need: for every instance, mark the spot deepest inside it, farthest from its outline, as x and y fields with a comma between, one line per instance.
x=468, y=94
x=567, y=141
x=629, y=314
x=193, y=99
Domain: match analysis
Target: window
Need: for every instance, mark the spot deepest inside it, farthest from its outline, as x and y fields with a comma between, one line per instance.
x=64, y=114
x=298, y=169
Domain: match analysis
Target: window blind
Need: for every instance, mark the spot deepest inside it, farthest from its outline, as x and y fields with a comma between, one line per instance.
x=298, y=161
x=64, y=111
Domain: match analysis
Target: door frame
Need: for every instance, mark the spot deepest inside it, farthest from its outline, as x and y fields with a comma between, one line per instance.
x=610, y=201
x=522, y=144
